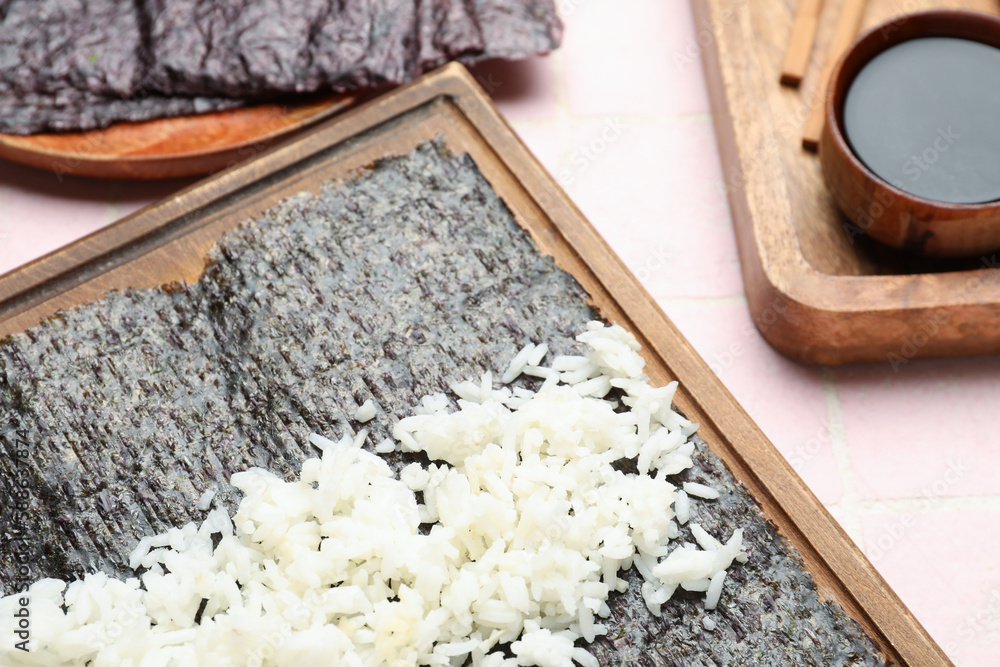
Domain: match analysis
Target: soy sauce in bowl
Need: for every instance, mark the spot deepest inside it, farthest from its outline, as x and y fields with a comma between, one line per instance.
x=924, y=115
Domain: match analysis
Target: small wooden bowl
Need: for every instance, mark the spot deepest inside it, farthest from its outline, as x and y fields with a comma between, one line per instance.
x=890, y=215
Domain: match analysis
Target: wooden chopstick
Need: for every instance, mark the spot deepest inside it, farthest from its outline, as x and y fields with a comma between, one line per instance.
x=847, y=29
x=800, y=42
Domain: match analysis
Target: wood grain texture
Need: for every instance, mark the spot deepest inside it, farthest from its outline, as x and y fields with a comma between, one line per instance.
x=170, y=147
x=848, y=23
x=168, y=241
x=800, y=42
x=819, y=292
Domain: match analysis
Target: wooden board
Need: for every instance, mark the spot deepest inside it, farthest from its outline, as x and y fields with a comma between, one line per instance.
x=171, y=147
x=169, y=240
x=819, y=292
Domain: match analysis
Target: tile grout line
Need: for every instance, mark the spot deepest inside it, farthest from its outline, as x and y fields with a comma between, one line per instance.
x=644, y=117
x=641, y=120
x=849, y=502
x=727, y=300
x=922, y=505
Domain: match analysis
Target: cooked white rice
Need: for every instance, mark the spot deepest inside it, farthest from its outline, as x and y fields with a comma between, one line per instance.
x=366, y=412
x=682, y=507
x=527, y=526
x=700, y=491
x=205, y=501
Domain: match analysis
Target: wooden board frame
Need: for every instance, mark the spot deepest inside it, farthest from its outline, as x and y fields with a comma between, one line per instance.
x=174, y=147
x=168, y=241
x=820, y=291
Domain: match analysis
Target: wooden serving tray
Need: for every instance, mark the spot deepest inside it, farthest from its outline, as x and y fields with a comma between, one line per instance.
x=818, y=292
x=168, y=241
x=171, y=147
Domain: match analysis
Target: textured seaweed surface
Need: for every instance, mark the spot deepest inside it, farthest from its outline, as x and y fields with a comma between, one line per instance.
x=84, y=64
x=389, y=286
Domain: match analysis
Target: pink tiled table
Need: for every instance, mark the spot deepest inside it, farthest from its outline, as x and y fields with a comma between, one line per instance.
x=905, y=460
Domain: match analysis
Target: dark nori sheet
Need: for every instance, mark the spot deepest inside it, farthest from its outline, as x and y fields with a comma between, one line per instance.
x=116, y=416
x=86, y=64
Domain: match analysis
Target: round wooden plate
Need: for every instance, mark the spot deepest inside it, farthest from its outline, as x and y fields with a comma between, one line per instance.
x=169, y=147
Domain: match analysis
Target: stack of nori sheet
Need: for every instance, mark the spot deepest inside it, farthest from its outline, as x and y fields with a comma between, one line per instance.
x=117, y=416
x=84, y=64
